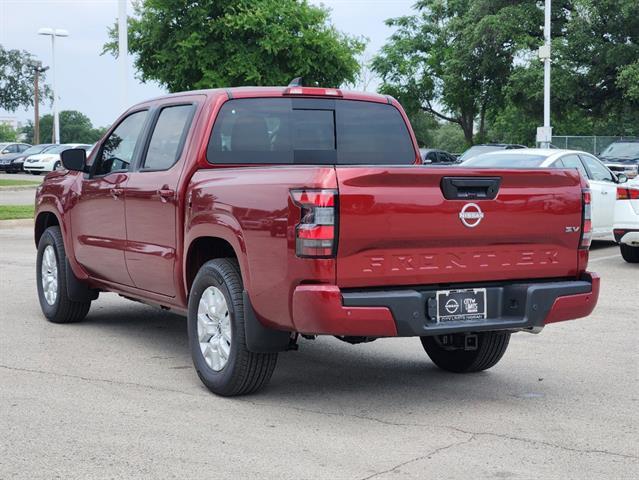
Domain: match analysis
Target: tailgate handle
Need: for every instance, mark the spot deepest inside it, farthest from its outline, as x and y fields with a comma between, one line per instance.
x=468, y=188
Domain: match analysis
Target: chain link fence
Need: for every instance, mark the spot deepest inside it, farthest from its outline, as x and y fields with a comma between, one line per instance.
x=591, y=144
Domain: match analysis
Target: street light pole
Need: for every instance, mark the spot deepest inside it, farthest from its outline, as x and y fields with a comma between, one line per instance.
x=56, y=118
x=123, y=53
x=544, y=134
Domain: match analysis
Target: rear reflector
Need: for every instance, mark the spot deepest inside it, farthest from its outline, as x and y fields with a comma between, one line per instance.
x=315, y=235
x=313, y=91
x=586, y=220
x=624, y=193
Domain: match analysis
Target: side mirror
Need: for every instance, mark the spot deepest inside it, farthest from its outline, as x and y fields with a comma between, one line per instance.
x=74, y=159
x=622, y=178
x=426, y=161
x=6, y=150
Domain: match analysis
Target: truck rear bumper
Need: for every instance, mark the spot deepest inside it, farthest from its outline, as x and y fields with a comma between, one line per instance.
x=325, y=309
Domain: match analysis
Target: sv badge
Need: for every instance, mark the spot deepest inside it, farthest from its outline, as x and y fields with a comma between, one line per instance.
x=572, y=229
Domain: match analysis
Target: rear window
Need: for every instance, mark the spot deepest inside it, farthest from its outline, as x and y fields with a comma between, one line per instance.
x=309, y=131
x=505, y=161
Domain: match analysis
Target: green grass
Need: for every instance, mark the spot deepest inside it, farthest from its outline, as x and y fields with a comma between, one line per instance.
x=4, y=182
x=11, y=212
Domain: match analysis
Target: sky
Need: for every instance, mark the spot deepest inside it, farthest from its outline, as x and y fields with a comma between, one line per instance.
x=89, y=82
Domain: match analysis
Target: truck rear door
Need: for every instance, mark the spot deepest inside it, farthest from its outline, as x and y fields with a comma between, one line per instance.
x=397, y=226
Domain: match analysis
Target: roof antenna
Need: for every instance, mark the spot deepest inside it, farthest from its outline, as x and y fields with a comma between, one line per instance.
x=297, y=82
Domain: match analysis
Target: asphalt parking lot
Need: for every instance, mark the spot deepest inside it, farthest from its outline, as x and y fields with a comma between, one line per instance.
x=116, y=397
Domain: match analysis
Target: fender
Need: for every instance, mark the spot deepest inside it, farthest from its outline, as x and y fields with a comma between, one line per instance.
x=216, y=225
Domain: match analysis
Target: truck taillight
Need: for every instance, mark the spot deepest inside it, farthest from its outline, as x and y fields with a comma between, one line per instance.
x=586, y=224
x=624, y=193
x=316, y=234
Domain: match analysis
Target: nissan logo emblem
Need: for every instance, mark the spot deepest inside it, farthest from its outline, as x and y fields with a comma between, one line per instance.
x=471, y=215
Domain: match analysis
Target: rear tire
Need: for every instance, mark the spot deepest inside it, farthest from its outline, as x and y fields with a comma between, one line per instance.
x=630, y=254
x=491, y=346
x=55, y=303
x=215, y=313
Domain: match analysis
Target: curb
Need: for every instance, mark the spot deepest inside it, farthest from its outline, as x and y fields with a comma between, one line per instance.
x=22, y=222
x=17, y=188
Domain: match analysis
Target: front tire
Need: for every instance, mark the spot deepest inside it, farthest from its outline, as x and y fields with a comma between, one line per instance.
x=217, y=338
x=629, y=253
x=451, y=355
x=51, y=276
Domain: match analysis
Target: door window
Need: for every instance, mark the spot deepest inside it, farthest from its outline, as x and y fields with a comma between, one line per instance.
x=168, y=137
x=572, y=161
x=118, y=149
x=597, y=169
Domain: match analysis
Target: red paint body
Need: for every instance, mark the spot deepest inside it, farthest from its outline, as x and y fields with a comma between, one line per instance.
x=132, y=232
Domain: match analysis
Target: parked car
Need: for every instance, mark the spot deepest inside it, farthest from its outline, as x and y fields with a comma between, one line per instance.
x=433, y=156
x=622, y=156
x=627, y=220
x=603, y=182
x=8, y=148
x=487, y=147
x=49, y=160
x=375, y=246
x=13, y=162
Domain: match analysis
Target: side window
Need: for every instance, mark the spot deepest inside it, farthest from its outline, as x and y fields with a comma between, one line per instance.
x=13, y=148
x=23, y=147
x=597, y=169
x=572, y=161
x=168, y=137
x=558, y=164
x=117, y=150
x=432, y=156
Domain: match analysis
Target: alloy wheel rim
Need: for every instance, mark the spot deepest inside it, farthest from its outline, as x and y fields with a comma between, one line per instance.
x=214, y=328
x=49, y=274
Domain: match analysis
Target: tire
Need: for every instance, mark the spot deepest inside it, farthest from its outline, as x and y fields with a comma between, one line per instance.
x=243, y=372
x=59, y=309
x=491, y=346
x=629, y=253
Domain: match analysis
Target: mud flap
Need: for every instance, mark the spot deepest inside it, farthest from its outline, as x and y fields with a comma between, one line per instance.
x=260, y=339
x=77, y=290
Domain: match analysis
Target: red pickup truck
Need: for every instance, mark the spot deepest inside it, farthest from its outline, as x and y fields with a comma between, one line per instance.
x=267, y=213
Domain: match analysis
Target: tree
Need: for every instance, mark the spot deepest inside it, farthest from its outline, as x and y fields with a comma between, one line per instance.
x=191, y=44
x=595, y=76
x=17, y=86
x=75, y=127
x=454, y=58
x=7, y=133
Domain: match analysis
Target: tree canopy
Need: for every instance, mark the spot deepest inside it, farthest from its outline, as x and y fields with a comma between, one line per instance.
x=17, y=86
x=474, y=63
x=191, y=44
x=75, y=127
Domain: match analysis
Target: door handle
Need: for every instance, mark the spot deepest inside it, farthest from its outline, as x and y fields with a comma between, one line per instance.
x=166, y=194
x=116, y=192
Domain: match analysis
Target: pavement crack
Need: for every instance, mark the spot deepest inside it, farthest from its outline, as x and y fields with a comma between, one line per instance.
x=97, y=380
x=421, y=457
x=449, y=427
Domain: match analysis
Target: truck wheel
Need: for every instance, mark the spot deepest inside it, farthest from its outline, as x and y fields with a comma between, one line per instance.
x=51, y=277
x=630, y=254
x=216, y=333
x=488, y=350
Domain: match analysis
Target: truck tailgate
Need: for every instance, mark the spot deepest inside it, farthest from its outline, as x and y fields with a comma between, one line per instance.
x=397, y=228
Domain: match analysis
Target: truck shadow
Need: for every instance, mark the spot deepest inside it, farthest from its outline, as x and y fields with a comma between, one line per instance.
x=322, y=372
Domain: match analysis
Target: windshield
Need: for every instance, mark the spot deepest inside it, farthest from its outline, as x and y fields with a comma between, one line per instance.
x=478, y=150
x=622, y=150
x=36, y=149
x=505, y=161
x=58, y=149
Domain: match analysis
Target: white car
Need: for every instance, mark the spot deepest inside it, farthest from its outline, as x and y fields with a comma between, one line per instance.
x=627, y=220
x=603, y=182
x=49, y=160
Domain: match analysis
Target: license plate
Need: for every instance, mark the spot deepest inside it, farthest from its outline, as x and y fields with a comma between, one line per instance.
x=461, y=305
